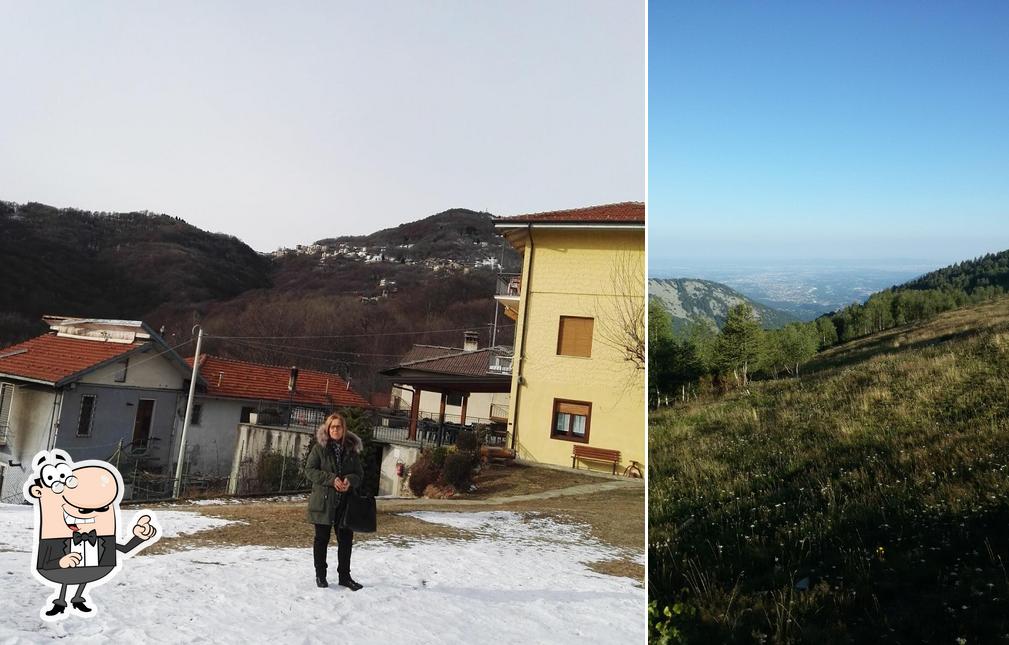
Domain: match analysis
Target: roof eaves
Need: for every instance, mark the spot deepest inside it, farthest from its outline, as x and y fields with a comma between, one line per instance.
x=27, y=379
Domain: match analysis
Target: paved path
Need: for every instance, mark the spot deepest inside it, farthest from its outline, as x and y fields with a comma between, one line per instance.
x=388, y=504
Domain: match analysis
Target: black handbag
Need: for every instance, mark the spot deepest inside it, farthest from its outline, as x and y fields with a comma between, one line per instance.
x=359, y=513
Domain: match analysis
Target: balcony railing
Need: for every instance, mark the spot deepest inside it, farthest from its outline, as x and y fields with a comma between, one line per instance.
x=395, y=428
x=500, y=364
x=4, y=428
x=509, y=285
x=499, y=411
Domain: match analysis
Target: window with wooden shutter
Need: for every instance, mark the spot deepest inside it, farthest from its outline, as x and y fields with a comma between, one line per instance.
x=574, y=336
x=571, y=420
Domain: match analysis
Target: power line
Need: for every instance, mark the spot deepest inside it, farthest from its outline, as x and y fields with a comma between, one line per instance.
x=391, y=333
x=280, y=350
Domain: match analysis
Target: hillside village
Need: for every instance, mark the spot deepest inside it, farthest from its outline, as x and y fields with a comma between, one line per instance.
x=116, y=389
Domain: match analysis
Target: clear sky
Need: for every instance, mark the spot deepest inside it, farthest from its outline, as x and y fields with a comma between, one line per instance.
x=803, y=130
x=286, y=122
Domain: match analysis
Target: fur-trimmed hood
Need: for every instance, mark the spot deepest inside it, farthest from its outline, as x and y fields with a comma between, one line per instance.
x=351, y=441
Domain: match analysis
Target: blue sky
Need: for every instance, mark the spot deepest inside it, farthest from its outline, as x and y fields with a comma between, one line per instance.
x=784, y=131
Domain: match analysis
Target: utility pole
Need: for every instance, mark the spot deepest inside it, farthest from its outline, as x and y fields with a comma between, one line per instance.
x=189, y=414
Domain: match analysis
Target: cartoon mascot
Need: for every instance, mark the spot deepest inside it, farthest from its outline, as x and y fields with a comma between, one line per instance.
x=75, y=526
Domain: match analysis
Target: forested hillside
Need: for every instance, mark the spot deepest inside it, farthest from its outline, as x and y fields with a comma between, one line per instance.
x=351, y=313
x=114, y=265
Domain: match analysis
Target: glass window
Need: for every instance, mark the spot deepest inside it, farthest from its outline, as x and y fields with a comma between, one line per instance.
x=571, y=420
x=86, y=420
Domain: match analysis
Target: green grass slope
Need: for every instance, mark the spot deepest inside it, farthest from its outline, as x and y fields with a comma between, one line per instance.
x=866, y=502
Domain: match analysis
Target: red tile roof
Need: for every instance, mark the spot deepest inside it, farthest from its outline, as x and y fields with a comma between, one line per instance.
x=622, y=213
x=51, y=358
x=426, y=352
x=234, y=379
x=452, y=361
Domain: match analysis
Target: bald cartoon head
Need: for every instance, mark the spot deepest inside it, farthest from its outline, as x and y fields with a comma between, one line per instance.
x=74, y=498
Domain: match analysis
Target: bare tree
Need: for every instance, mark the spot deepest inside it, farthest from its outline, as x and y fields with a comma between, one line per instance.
x=620, y=317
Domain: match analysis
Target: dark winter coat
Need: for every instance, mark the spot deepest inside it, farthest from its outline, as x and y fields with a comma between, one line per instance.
x=322, y=469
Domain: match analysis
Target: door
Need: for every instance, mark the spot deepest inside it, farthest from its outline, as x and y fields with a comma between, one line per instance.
x=142, y=424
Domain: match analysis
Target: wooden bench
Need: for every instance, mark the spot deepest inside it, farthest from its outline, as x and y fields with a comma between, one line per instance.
x=583, y=452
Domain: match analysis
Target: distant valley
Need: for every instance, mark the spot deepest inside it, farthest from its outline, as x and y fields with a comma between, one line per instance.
x=688, y=299
x=804, y=290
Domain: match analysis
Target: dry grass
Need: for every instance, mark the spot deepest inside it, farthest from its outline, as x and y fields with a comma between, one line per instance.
x=516, y=479
x=880, y=481
x=620, y=568
x=615, y=517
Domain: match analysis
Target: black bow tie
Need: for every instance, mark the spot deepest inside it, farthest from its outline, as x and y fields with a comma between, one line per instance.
x=85, y=536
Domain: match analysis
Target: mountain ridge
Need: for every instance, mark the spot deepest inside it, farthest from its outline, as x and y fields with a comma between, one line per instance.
x=694, y=299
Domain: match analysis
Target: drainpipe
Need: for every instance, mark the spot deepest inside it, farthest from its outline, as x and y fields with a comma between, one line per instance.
x=522, y=354
x=54, y=420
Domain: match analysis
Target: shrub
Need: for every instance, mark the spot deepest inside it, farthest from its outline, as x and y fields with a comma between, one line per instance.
x=423, y=473
x=467, y=441
x=458, y=470
x=437, y=456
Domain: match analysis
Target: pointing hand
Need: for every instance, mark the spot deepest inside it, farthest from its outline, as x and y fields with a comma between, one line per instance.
x=144, y=530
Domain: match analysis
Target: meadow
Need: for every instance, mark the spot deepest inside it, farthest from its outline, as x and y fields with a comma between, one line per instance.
x=864, y=502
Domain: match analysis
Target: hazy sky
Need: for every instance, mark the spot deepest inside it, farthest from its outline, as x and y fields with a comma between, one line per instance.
x=283, y=123
x=828, y=130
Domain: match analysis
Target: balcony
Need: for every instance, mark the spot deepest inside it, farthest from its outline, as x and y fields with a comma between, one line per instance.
x=508, y=292
x=500, y=364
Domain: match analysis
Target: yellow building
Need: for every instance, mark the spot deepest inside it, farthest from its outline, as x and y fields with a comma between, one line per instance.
x=578, y=377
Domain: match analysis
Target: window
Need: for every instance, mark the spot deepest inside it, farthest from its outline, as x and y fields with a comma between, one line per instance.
x=571, y=420
x=121, y=370
x=86, y=421
x=453, y=398
x=6, y=398
x=574, y=336
x=194, y=419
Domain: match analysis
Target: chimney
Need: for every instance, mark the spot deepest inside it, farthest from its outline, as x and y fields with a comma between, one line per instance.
x=471, y=341
x=292, y=381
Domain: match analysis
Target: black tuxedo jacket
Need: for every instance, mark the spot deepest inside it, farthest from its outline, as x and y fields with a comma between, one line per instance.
x=52, y=549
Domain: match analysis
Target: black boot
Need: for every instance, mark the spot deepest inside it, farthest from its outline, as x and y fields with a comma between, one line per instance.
x=80, y=606
x=320, y=581
x=348, y=582
x=57, y=608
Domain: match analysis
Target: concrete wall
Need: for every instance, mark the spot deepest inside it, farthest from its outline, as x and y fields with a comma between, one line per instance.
x=210, y=445
x=30, y=423
x=253, y=440
x=389, y=483
x=573, y=275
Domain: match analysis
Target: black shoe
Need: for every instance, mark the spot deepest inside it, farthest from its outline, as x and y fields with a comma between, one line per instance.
x=349, y=583
x=80, y=606
x=320, y=581
x=57, y=609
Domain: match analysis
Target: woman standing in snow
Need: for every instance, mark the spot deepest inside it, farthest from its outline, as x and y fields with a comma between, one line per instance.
x=334, y=468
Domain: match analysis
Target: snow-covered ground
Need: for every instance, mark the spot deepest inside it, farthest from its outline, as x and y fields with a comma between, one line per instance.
x=521, y=579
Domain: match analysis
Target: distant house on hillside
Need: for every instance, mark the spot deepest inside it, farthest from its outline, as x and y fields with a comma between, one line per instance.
x=89, y=386
x=239, y=392
x=582, y=284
